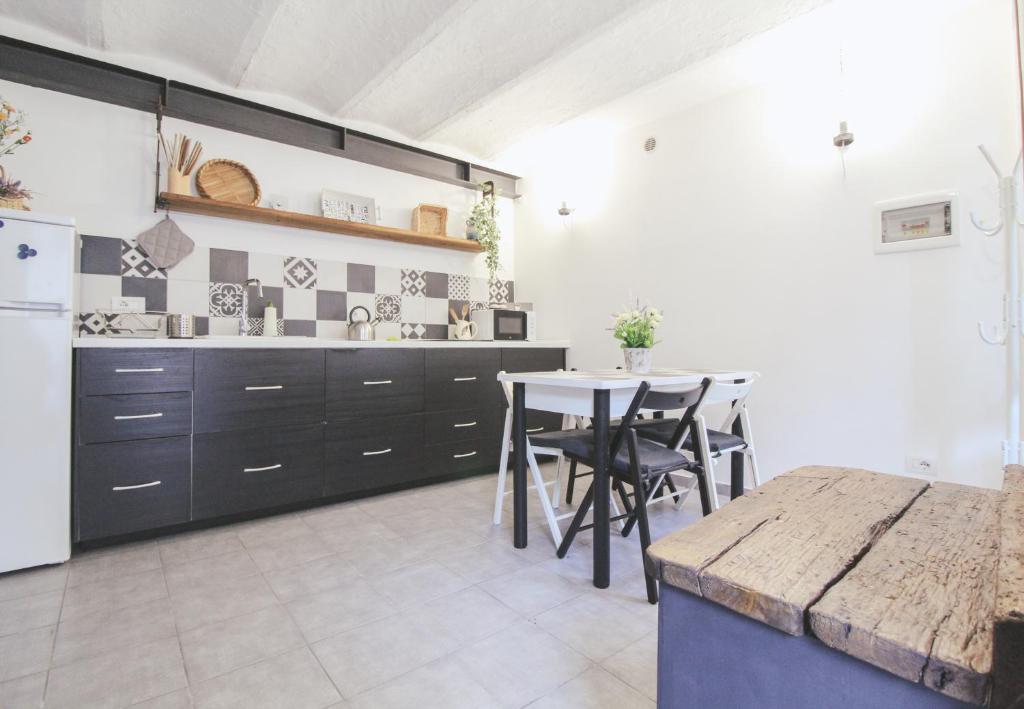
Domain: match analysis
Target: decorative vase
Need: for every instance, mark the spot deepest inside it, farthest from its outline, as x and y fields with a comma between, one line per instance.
x=638, y=359
x=12, y=202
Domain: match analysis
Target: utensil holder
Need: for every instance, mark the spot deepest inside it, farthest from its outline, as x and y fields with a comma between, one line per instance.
x=178, y=183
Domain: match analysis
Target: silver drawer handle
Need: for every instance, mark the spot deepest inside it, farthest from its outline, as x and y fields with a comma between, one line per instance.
x=382, y=381
x=535, y=430
x=260, y=470
x=381, y=452
x=266, y=388
x=464, y=425
x=138, y=416
x=138, y=371
x=464, y=379
x=464, y=455
x=122, y=488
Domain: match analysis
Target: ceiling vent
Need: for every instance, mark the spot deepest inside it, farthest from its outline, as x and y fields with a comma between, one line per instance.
x=650, y=144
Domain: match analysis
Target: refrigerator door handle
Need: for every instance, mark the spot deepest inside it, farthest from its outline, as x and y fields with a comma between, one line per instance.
x=30, y=307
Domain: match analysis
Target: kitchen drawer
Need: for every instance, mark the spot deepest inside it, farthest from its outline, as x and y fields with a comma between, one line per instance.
x=239, y=389
x=542, y=421
x=133, y=371
x=463, y=456
x=128, y=487
x=462, y=379
x=463, y=425
x=533, y=359
x=258, y=469
x=128, y=417
x=374, y=382
x=373, y=453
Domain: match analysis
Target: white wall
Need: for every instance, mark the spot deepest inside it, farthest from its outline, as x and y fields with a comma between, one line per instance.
x=95, y=162
x=741, y=226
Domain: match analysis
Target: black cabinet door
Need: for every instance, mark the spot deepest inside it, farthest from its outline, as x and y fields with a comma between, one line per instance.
x=257, y=469
x=463, y=425
x=128, y=487
x=127, y=417
x=462, y=379
x=134, y=371
x=532, y=359
x=463, y=457
x=374, y=382
x=239, y=389
x=366, y=454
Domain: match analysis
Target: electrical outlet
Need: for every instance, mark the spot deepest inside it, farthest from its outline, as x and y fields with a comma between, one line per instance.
x=127, y=304
x=921, y=466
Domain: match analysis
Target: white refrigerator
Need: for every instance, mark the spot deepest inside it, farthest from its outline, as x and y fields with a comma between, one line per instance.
x=36, y=275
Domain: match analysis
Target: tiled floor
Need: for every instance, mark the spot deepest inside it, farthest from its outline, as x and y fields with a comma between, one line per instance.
x=407, y=600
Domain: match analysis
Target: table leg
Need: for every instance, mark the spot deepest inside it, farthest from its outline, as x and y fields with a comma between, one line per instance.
x=737, y=460
x=601, y=487
x=519, y=468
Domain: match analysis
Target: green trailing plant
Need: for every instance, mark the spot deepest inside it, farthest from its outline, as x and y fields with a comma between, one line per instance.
x=483, y=222
x=635, y=327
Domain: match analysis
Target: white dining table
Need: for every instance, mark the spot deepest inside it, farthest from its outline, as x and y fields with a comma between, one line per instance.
x=599, y=395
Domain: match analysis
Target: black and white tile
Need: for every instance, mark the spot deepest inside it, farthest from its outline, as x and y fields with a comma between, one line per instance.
x=388, y=307
x=101, y=255
x=424, y=331
x=299, y=272
x=229, y=266
x=135, y=262
x=413, y=282
x=331, y=305
x=256, y=326
x=458, y=286
x=225, y=300
x=499, y=291
x=152, y=289
x=361, y=278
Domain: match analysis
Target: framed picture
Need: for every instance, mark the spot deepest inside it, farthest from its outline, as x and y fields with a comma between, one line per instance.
x=350, y=207
x=926, y=221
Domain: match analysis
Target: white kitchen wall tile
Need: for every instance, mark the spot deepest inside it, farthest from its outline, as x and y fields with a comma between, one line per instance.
x=332, y=275
x=223, y=326
x=188, y=297
x=435, y=311
x=414, y=308
x=364, y=299
x=385, y=330
x=269, y=268
x=478, y=289
x=300, y=303
x=388, y=280
x=331, y=329
x=96, y=291
x=194, y=267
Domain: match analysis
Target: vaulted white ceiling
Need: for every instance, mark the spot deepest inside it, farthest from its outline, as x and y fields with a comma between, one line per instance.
x=476, y=75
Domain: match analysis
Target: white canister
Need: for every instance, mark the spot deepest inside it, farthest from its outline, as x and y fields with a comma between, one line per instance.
x=270, y=321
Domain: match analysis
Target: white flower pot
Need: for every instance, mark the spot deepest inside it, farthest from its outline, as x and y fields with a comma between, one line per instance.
x=638, y=359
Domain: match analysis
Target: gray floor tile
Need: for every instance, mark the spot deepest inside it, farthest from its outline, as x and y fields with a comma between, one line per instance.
x=359, y=537
x=363, y=658
x=113, y=593
x=464, y=617
x=595, y=624
x=271, y=529
x=295, y=550
x=113, y=629
x=532, y=590
x=294, y=680
x=26, y=653
x=346, y=514
x=192, y=546
x=637, y=665
x=213, y=603
x=336, y=610
x=209, y=572
x=222, y=647
x=485, y=561
x=442, y=684
x=24, y=692
x=381, y=554
x=313, y=577
x=31, y=582
x=414, y=584
x=180, y=699
x=113, y=562
x=119, y=678
x=27, y=612
x=521, y=663
x=594, y=689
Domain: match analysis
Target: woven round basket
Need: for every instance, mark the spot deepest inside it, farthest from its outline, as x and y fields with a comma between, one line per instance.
x=8, y=203
x=228, y=181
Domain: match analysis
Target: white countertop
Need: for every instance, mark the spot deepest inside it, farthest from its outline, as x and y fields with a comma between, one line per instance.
x=298, y=343
x=622, y=379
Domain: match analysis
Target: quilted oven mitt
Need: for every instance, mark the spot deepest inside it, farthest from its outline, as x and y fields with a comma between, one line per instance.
x=166, y=244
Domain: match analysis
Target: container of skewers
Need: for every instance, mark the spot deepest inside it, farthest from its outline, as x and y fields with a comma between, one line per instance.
x=182, y=156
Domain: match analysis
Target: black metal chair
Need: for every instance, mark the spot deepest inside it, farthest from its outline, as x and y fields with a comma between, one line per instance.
x=641, y=463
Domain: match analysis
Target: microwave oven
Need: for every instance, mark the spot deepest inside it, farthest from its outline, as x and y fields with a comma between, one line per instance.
x=499, y=324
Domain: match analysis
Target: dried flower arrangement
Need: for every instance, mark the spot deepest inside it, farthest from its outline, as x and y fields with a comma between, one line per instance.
x=12, y=136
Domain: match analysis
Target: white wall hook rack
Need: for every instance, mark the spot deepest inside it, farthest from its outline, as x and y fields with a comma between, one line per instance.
x=1008, y=332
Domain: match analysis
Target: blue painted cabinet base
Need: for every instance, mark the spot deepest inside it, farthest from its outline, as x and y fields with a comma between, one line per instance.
x=709, y=656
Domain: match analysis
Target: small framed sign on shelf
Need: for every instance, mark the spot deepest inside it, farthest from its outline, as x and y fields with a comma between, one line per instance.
x=925, y=221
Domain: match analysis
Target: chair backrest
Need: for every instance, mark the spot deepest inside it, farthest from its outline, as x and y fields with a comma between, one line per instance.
x=689, y=399
x=737, y=393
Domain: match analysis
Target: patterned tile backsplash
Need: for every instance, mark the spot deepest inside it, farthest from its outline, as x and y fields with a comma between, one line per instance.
x=313, y=296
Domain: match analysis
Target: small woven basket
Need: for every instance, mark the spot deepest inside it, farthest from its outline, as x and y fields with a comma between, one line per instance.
x=12, y=203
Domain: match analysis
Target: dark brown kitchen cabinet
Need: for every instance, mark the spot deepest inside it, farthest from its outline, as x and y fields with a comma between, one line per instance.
x=168, y=437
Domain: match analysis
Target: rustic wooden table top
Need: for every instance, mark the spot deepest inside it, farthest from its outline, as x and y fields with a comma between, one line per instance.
x=913, y=578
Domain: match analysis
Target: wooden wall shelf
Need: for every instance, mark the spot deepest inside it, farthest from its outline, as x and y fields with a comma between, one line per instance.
x=264, y=215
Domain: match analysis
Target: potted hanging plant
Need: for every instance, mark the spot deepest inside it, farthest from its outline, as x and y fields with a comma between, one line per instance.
x=635, y=329
x=482, y=226
x=12, y=136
